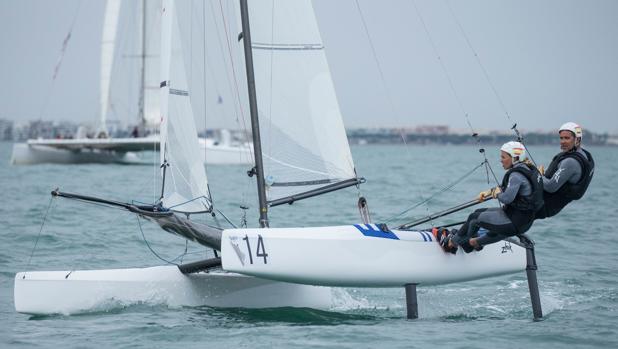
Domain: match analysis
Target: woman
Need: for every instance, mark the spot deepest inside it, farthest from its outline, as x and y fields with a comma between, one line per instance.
x=521, y=194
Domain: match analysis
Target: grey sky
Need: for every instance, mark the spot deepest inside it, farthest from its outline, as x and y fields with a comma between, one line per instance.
x=550, y=61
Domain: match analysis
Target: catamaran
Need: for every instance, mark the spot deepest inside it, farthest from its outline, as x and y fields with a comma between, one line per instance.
x=300, y=151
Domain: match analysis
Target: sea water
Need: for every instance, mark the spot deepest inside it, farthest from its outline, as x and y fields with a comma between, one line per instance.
x=576, y=254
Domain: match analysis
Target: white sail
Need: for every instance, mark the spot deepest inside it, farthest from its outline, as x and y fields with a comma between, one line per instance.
x=185, y=186
x=151, y=50
x=304, y=143
x=108, y=44
x=130, y=59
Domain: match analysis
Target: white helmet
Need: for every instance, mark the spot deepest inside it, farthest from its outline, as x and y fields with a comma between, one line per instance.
x=516, y=150
x=573, y=127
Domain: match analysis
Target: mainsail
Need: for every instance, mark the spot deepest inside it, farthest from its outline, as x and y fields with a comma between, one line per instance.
x=185, y=184
x=108, y=44
x=130, y=50
x=304, y=143
x=151, y=67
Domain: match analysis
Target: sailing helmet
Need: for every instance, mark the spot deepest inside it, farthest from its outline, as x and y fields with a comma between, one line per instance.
x=573, y=127
x=516, y=150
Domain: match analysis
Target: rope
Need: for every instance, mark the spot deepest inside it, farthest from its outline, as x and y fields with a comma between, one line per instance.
x=447, y=75
x=478, y=60
x=36, y=242
x=520, y=138
x=235, y=79
x=379, y=66
x=383, y=81
x=226, y=219
x=475, y=135
x=139, y=223
x=442, y=190
x=65, y=44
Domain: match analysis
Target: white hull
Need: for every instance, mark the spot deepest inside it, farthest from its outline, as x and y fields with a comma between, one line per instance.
x=226, y=154
x=25, y=154
x=77, y=153
x=360, y=256
x=52, y=292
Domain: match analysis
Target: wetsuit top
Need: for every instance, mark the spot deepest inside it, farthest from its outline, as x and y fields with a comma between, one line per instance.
x=522, y=195
x=566, y=179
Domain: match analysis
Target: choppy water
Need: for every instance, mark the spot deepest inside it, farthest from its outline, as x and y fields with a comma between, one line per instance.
x=576, y=253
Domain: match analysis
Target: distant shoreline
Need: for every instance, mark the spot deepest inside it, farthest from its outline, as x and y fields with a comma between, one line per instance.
x=423, y=135
x=394, y=136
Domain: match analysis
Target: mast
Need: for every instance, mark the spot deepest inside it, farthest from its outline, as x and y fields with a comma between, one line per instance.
x=258, y=170
x=140, y=115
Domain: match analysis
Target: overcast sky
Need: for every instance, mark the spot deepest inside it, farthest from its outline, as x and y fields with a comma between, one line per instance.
x=549, y=61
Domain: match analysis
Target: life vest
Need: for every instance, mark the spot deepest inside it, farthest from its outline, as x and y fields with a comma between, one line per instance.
x=574, y=191
x=521, y=211
x=555, y=202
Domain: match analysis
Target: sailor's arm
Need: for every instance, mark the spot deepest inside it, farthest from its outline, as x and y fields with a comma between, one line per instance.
x=509, y=194
x=569, y=170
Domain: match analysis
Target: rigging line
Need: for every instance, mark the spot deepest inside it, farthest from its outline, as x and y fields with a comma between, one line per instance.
x=229, y=48
x=478, y=60
x=235, y=80
x=443, y=66
x=204, y=99
x=36, y=242
x=383, y=79
x=442, y=190
x=453, y=90
x=270, y=98
x=65, y=44
x=227, y=219
x=487, y=78
x=139, y=223
x=191, y=200
x=221, y=50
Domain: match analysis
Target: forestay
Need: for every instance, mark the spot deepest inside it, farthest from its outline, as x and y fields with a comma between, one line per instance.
x=304, y=144
x=185, y=187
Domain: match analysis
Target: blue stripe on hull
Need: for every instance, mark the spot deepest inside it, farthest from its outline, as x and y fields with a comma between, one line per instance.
x=374, y=231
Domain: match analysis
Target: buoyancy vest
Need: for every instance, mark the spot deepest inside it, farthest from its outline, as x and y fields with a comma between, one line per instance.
x=555, y=202
x=522, y=209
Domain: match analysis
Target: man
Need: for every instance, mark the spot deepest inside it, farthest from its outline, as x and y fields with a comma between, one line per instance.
x=521, y=193
x=569, y=173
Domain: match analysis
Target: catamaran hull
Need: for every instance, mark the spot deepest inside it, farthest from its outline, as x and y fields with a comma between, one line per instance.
x=360, y=256
x=29, y=154
x=25, y=154
x=66, y=292
x=226, y=154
